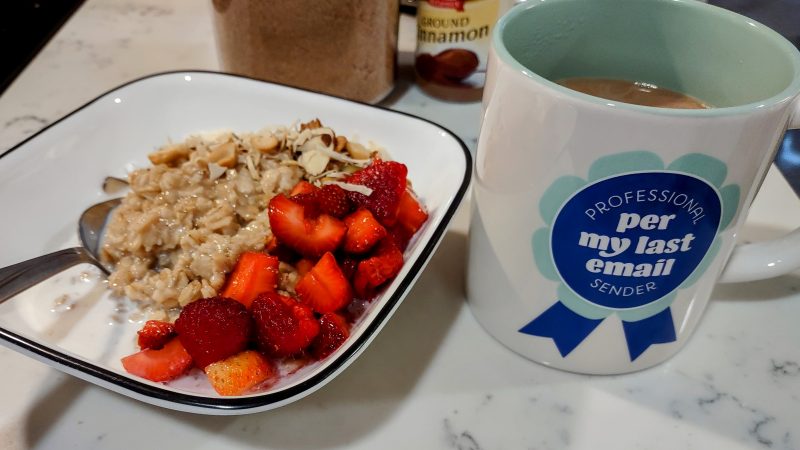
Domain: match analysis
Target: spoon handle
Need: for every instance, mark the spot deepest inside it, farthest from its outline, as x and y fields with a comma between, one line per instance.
x=18, y=277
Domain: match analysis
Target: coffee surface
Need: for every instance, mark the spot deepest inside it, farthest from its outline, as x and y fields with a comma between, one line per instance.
x=634, y=92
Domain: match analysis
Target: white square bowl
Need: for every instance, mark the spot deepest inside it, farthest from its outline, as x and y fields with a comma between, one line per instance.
x=71, y=323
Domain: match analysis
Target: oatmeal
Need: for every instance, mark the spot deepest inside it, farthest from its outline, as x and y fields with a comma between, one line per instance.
x=188, y=217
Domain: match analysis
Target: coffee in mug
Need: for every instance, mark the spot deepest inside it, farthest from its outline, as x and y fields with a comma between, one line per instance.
x=634, y=92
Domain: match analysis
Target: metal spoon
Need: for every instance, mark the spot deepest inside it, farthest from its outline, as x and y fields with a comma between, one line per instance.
x=21, y=276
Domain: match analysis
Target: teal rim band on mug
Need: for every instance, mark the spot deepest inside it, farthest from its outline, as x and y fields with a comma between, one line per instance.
x=616, y=39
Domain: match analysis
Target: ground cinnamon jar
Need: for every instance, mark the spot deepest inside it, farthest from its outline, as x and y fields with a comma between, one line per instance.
x=345, y=48
x=453, y=38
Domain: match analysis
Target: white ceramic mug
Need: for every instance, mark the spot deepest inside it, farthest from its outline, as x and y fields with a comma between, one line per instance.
x=600, y=228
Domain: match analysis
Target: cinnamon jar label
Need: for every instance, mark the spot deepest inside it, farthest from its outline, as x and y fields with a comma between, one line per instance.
x=453, y=39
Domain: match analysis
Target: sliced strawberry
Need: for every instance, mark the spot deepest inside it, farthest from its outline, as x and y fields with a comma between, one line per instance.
x=400, y=235
x=271, y=245
x=384, y=264
x=348, y=264
x=387, y=179
x=283, y=326
x=155, y=333
x=212, y=329
x=303, y=266
x=309, y=203
x=363, y=232
x=303, y=187
x=280, y=251
x=333, y=332
x=329, y=199
x=410, y=212
x=311, y=237
x=254, y=273
x=239, y=373
x=324, y=288
x=169, y=362
x=333, y=200
x=410, y=217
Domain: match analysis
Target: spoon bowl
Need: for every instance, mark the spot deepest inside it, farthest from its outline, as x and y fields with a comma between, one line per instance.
x=21, y=276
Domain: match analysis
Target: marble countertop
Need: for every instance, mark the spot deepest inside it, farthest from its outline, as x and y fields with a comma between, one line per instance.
x=433, y=378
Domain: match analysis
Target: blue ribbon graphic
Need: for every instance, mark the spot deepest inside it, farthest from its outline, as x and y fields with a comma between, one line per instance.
x=568, y=329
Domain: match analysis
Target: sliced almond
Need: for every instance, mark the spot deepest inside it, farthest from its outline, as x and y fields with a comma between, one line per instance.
x=341, y=144
x=169, y=154
x=326, y=139
x=316, y=143
x=311, y=125
x=301, y=138
x=264, y=143
x=252, y=161
x=361, y=189
x=223, y=154
x=357, y=151
x=314, y=162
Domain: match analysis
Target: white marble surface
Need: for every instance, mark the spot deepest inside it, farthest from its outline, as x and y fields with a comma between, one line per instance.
x=432, y=378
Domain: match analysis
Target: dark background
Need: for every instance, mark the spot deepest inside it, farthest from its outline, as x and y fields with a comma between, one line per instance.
x=25, y=27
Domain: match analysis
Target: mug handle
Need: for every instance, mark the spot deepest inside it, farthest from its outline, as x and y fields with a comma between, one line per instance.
x=762, y=260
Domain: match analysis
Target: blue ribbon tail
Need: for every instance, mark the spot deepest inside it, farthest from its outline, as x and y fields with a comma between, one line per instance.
x=566, y=328
x=658, y=329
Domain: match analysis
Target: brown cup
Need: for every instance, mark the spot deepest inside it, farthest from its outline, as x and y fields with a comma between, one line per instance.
x=345, y=48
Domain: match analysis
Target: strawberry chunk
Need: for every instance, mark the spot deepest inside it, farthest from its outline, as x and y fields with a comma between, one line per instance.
x=329, y=199
x=384, y=264
x=284, y=327
x=410, y=212
x=387, y=179
x=271, y=244
x=333, y=200
x=309, y=204
x=239, y=373
x=410, y=217
x=333, y=332
x=400, y=235
x=254, y=273
x=212, y=329
x=170, y=362
x=311, y=237
x=324, y=288
x=363, y=232
x=303, y=266
x=302, y=187
x=155, y=333
x=348, y=264
x=280, y=251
